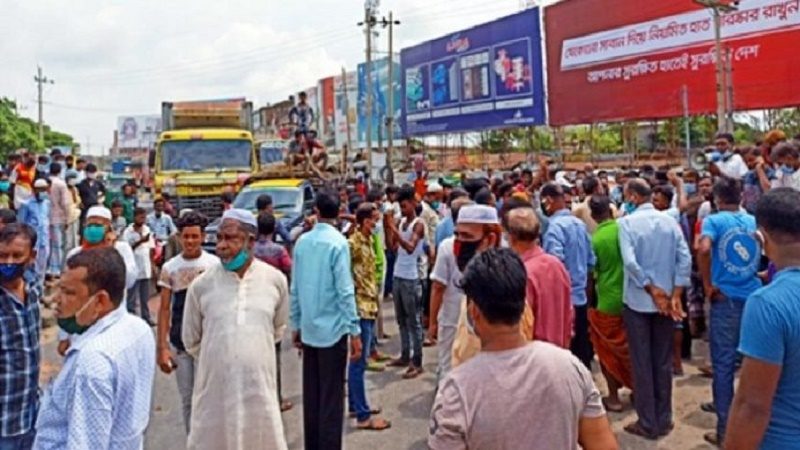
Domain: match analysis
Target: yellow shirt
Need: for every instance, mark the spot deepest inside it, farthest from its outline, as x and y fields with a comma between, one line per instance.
x=362, y=258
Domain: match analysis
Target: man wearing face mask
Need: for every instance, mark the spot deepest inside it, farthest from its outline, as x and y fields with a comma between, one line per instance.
x=567, y=239
x=657, y=268
x=101, y=397
x=20, y=293
x=764, y=410
x=98, y=233
x=36, y=214
x=787, y=156
x=728, y=164
x=91, y=190
x=234, y=313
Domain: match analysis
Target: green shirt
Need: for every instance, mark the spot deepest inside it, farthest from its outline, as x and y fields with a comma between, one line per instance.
x=609, y=271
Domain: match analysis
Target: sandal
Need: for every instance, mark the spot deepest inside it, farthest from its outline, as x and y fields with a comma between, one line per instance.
x=712, y=438
x=612, y=407
x=412, y=372
x=376, y=424
x=399, y=362
x=708, y=407
x=635, y=429
x=372, y=412
x=286, y=405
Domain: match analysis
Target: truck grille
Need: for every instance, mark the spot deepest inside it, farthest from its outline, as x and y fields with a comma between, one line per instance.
x=208, y=205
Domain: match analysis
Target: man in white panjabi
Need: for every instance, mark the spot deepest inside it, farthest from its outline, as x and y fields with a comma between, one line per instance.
x=234, y=312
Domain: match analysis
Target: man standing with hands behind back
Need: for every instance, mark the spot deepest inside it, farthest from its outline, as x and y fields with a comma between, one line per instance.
x=323, y=315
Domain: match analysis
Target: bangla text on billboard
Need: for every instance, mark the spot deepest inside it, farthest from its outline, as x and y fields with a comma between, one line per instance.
x=488, y=76
x=635, y=61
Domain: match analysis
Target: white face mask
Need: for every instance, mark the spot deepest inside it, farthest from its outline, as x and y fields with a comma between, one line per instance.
x=71, y=182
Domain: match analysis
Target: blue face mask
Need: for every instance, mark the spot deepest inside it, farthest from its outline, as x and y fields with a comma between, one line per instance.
x=94, y=234
x=11, y=271
x=237, y=262
x=690, y=188
x=786, y=170
x=5, y=186
x=629, y=207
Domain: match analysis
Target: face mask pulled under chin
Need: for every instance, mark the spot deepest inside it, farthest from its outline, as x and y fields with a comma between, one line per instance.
x=71, y=325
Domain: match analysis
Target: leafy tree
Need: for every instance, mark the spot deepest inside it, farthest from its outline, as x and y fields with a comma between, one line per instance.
x=20, y=132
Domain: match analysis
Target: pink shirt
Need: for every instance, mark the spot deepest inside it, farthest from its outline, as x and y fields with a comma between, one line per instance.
x=548, y=295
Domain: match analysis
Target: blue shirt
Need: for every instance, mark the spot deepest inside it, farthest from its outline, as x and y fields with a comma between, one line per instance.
x=444, y=230
x=101, y=397
x=735, y=253
x=19, y=359
x=653, y=252
x=162, y=227
x=323, y=300
x=566, y=239
x=771, y=333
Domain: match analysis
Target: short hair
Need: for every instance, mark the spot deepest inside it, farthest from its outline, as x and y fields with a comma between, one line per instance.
x=354, y=202
x=504, y=189
x=116, y=204
x=105, y=271
x=7, y=216
x=15, y=230
x=228, y=197
x=406, y=193
x=365, y=211
x=327, y=204
x=55, y=169
x=727, y=136
x=391, y=189
x=728, y=191
x=456, y=205
x=192, y=219
x=266, y=224
x=81, y=161
x=158, y=200
x=552, y=189
x=263, y=202
x=785, y=149
x=483, y=197
x=639, y=187
x=522, y=224
x=138, y=211
x=666, y=191
x=778, y=212
x=455, y=194
x=475, y=185
x=496, y=280
x=374, y=195
x=90, y=168
x=590, y=185
x=600, y=206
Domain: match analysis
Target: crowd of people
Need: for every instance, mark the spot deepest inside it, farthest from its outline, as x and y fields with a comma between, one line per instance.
x=522, y=281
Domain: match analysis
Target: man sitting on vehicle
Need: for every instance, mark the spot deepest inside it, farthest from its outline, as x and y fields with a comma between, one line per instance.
x=303, y=145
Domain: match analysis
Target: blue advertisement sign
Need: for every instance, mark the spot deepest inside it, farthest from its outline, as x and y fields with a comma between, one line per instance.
x=380, y=104
x=488, y=76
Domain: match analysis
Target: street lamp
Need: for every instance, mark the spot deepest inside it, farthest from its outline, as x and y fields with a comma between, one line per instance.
x=718, y=8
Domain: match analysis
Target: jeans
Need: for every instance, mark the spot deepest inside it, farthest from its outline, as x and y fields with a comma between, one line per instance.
x=140, y=291
x=650, y=343
x=408, y=305
x=21, y=442
x=357, y=395
x=724, y=327
x=184, y=375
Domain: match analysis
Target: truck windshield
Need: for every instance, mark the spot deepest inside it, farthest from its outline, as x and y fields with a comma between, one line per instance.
x=206, y=155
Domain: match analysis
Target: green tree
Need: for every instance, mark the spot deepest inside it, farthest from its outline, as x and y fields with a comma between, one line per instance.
x=20, y=132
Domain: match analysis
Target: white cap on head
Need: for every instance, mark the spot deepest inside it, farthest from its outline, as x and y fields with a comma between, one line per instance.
x=40, y=183
x=479, y=214
x=240, y=215
x=434, y=187
x=99, y=211
x=184, y=212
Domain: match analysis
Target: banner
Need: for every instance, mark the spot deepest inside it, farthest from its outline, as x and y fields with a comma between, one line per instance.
x=325, y=90
x=345, y=105
x=138, y=131
x=380, y=105
x=611, y=60
x=489, y=76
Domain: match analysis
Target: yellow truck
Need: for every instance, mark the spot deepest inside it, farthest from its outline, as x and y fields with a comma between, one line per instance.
x=206, y=149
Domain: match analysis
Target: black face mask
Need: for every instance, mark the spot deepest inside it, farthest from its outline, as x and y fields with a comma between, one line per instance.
x=465, y=251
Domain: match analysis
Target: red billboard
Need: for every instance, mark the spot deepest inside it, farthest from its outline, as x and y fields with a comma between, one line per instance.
x=326, y=105
x=612, y=60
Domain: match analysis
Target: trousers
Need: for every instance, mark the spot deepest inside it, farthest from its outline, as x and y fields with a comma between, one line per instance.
x=407, y=296
x=724, y=327
x=323, y=395
x=356, y=389
x=140, y=293
x=581, y=344
x=184, y=376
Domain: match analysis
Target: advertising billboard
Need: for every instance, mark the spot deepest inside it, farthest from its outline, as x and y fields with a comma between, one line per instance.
x=488, y=76
x=380, y=105
x=326, y=108
x=345, y=99
x=611, y=60
x=137, y=132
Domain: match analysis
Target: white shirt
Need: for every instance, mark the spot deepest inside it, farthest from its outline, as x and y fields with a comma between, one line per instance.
x=141, y=254
x=101, y=397
x=787, y=180
x=734, y=167
x=446, y=271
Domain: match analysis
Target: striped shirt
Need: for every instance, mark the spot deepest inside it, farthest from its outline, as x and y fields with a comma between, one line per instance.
x=19, y=359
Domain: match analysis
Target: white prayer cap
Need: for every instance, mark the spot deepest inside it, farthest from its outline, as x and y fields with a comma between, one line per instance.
x=40, y=183
x=184, y=212
x=99, y=211
x=480, y=214
x=434, y=187
x=241, y=215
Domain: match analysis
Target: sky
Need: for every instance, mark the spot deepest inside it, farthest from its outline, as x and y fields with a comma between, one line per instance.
x=112, y=58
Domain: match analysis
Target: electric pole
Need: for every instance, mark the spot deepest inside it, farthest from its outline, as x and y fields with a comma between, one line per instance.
x=40, y=81
x=718, y=8
x=390, y=98
x=369, y=23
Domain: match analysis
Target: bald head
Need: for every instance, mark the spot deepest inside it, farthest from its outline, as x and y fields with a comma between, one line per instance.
x=523, y=225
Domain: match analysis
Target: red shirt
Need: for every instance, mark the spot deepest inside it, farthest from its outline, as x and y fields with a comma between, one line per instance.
x=548, y=295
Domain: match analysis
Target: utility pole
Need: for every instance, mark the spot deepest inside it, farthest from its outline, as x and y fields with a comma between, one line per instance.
x=718, y=8
x=729, y=93
x=40, y=81
x=390, y=98
x=686, y=124
x=369, y=23
x=346, y=121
